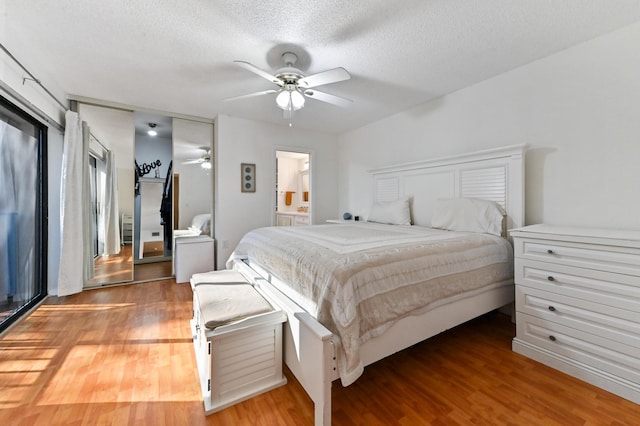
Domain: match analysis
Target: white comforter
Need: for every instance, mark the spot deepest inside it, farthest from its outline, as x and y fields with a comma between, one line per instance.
x=359, y=279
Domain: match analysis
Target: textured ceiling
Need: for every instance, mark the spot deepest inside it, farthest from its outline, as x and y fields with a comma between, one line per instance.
x=177, y=56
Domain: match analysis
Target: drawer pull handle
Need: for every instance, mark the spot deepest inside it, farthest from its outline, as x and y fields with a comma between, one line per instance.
x=552, y=309
x=552, y=338
x=550, y=278
x=550, y=251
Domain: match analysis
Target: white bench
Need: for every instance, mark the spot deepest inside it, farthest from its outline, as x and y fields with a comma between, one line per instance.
x=237, y=336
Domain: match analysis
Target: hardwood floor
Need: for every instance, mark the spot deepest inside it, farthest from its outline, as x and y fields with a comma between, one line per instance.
x=152, y=271
x=115, y=268
x=120, y=269
x=123, y=355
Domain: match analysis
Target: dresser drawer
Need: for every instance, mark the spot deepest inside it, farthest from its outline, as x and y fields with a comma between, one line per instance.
x=623, y=260
x=619, y=325
x=579, y=346
x=616, y=290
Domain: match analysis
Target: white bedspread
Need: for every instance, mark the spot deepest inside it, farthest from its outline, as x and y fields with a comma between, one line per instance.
x=359, y=279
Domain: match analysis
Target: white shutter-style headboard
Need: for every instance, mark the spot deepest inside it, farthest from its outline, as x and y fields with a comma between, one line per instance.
x=494, y=174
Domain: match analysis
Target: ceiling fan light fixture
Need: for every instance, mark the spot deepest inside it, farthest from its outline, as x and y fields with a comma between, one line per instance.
x=206, y=164
x=152, y=131
x=283, y=99
x=297, y=99
x=290, y=98
x=293, y=85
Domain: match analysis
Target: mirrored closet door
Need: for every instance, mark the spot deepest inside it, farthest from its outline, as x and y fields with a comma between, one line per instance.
x=144, y=169
x=154, y=189
x=111, y=153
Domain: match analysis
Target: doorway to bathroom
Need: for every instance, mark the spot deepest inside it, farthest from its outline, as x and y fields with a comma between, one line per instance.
x=293, y=188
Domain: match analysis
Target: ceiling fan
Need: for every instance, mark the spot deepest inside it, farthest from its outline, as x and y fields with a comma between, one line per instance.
x=204, y=160
x=294, y=86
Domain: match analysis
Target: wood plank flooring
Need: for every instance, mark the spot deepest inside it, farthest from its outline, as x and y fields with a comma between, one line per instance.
x=115, y=268
x=123, y=356
x=120, y=269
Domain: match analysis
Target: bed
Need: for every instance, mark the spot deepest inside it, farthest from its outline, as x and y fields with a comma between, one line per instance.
x=334, y=280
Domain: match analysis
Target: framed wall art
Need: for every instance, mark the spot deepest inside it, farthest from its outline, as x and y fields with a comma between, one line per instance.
x=248, y=177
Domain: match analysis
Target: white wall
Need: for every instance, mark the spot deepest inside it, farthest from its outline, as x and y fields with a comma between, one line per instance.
x=244, y=141
x=577, y=111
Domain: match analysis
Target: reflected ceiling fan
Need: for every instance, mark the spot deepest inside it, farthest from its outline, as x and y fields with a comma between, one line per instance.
x=293, y=86
x=204, y=160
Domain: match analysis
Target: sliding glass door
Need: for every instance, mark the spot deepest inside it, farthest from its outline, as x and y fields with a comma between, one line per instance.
x=23, y=212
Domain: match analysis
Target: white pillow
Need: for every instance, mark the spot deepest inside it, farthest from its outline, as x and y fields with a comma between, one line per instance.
x=391, y=212
x=202, y=222
x=469, y=215
x=195, y=231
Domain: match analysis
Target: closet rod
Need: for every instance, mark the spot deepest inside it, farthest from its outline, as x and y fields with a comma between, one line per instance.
x=32, y=77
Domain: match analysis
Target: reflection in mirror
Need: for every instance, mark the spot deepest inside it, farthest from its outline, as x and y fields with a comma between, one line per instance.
x=153, y=187
x=292, y=188
x=193, y=182
x=111, y=178
x=145, y=223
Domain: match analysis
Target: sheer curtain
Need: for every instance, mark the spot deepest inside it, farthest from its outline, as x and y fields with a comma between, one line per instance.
x=110, y=208
x=75, y=208
x=18, y=173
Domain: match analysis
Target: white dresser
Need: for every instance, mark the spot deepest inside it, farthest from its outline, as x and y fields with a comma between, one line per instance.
x=578, y=303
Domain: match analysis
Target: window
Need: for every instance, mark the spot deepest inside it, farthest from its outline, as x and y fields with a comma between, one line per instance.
x=23, y=212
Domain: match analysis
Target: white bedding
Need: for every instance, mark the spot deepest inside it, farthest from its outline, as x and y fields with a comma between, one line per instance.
x=359, y=279
x=200, y=224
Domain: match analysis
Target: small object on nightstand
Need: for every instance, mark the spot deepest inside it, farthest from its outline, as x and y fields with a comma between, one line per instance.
x=356, y=218
x=346, y=216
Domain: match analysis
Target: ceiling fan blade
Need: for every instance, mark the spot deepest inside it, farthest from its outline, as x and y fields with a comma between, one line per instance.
x=325, y=77
x=251, y=95
x=261, y=73
x=198, y=161
x=326, y=97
